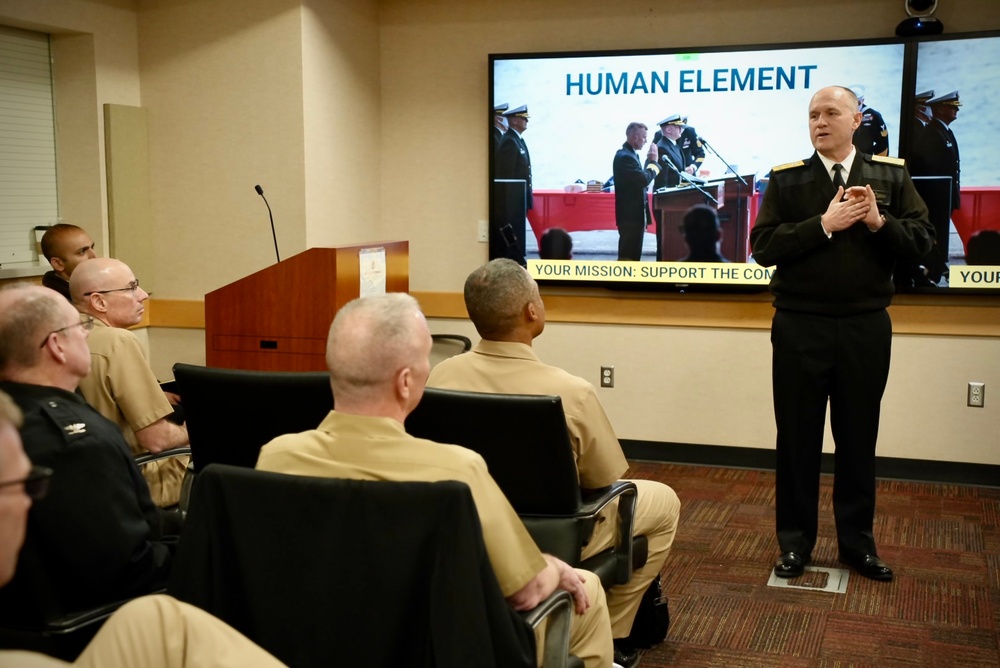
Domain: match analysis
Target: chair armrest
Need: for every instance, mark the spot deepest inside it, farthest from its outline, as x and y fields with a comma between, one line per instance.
x=594, y=501
x=148, y=457
x=557, y=612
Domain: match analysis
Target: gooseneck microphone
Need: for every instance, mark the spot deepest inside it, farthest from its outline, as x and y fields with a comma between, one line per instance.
x=260, y=191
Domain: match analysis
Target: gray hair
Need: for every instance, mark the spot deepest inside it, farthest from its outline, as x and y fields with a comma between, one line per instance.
x=28, y=312
x=495, y=296
x=371, y=338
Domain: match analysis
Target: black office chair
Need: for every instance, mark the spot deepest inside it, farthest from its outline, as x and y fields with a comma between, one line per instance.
x=526, y=445
x=231, y=414
x=53, y=629
x=448, y=345
x=63, y=634
x=326, y=571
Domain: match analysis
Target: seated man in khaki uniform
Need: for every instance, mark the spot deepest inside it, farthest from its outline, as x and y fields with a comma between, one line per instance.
x=65, y=246
x=152, y=631
x=504, y=305
x=377, y=352
x=121, y=385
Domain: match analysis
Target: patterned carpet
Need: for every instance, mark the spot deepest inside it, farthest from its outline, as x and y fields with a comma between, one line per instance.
x=942, y=609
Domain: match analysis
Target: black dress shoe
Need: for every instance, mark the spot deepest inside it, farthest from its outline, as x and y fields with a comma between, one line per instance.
x=869, y=566
x=790, y=565
x=625, y=657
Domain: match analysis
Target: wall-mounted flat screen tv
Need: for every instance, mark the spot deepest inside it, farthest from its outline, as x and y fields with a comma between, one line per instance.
x=739, y=111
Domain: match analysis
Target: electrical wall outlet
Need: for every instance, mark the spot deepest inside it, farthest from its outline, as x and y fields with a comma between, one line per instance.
x=607, y=376
x=977, y=395
x=483, y=235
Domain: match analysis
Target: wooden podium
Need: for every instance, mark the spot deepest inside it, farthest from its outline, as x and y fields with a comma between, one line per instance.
x=733, y=210
x=277, y=319
x=734, y=217
x=672, y=204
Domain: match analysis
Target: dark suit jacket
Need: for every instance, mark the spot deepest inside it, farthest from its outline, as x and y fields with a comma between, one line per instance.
x=498, y=136
x=668, y=178
x=95, y=538
x=936, y=154
x=631, y=179
x=851, y=272
x=514, y=162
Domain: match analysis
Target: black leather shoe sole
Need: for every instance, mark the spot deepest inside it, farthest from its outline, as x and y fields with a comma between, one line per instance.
x=790, y=565
x=870, y=566
x=627, y=658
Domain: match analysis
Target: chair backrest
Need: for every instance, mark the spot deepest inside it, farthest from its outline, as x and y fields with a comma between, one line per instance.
x=323, y=571
x=231, y=414
x=448, y=345
x=523, y=439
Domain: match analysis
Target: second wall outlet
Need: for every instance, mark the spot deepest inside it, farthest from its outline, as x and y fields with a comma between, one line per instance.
x=977, y=395
x=607, y=376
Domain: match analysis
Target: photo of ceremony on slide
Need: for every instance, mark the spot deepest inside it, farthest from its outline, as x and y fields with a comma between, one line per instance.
x=720, y=121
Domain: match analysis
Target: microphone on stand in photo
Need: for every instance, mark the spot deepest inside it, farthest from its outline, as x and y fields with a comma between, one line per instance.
x=260, y=191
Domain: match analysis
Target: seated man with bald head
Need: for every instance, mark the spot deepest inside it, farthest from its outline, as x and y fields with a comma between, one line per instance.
x=97, y=537
x=65, y=246
x=378, y=354
x=121, y=385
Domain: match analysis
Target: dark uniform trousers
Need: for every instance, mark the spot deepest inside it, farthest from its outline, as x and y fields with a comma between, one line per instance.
x=843, y=360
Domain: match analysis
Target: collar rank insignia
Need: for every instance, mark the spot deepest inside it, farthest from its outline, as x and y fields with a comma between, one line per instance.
x=76, y=428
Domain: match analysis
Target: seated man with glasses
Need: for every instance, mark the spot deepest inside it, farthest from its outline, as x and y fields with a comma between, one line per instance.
x=151, y=631
x=121, y=384
x=97, y=537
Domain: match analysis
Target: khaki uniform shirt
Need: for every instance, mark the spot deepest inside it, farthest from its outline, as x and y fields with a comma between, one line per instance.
x=513, y=368
x=375, y=448
x=121, y=387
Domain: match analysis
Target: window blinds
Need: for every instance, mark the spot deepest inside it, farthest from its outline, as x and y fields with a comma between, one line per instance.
x=28, y=194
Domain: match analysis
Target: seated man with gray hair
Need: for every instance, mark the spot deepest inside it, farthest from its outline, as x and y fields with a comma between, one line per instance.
x=378, y=355
x=151, y=631
x=97, y=538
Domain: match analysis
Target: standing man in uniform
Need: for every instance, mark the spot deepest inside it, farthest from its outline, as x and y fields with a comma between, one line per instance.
x=922, y=115
x=834, y=224
x=513, y=160
x=691, y=146
x=936, y=152
x=872, y=136
x=499, y=125
x=65, y=246
x=632, y=177
x=673, y=162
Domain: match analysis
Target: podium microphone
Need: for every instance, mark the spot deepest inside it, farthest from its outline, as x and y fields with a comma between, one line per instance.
x=260, y=191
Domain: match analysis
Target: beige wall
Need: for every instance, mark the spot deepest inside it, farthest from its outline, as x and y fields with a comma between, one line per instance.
x=222, y=83
x=284, y=93
x=342, y=107
x=95, y=61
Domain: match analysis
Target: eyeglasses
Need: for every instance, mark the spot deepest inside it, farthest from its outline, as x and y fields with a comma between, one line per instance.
x=36, y=485
x=86, y=321
x=131, y=287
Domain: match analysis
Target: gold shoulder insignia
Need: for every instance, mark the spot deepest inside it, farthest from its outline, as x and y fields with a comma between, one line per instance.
x=899, y=162
x=788, y=165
